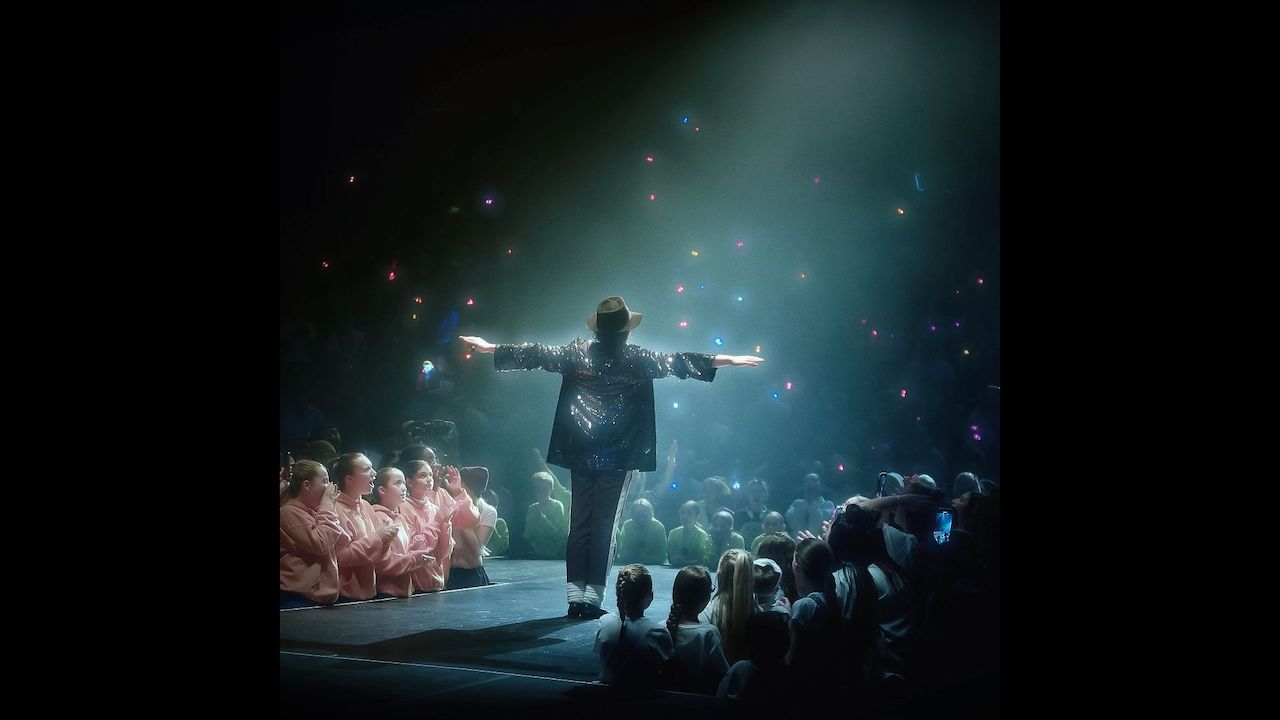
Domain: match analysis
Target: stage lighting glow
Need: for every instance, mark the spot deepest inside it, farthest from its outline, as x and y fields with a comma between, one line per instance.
x=324, y=264
x=684, y=323
x=774, y=394
x=471, y=301
x=675, y=405
x=788, y=384
x=719, y=341
x=902, y=392
x=901, y=211
x=679, y=288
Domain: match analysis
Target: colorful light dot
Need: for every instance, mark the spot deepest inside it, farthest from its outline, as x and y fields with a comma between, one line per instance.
x=684, y=119
x=391, y=275
x=675, y=405
x=415, y=316
x=324, y=264
x=351, y=179
x=980, y=281
x=816, y=179
x=488, y=201
x=973, y=428
x=917, y=418
x=695, y=253
x=976, y=436
x=875, y=333
x=902, y=392
x=774, y=394
x=740, y=243
x=788, y=384
x=673, y=486
x=697, y=129
x=737, y=485
x=702, y=286
x=510, y=251
x=648, y=158
x=840, y=468
x=739, y=298
x=901, y=211
x=757, y=348
x=467, y=356
x=803, y=276
x=864, y=322
x=957, y=324
x=418, y=300
x=966, y=351
x=471, y=301
x=957, y=292
x=652, y=196
x=679, y=288
x=719, y=341
x=933, y=328
x=684, y=323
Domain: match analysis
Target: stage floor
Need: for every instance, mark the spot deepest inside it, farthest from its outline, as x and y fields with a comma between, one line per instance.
x=505, y=645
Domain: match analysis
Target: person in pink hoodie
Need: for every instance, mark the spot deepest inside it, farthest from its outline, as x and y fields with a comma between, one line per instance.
x=370, y=540
x=454, y=502
x=429, y=528
x=309, y=535
x=395, y=570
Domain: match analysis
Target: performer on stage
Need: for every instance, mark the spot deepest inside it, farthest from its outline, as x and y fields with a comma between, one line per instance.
x=604, y=428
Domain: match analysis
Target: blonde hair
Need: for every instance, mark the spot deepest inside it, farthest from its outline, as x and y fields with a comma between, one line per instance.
x=302, y=471
x=734, y=603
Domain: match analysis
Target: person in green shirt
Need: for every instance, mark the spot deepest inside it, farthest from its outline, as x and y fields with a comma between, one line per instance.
x=642, y=539
x=558, y=491
x=773, y=523
x=546, y=524
x=722, y=538
x=688, y=544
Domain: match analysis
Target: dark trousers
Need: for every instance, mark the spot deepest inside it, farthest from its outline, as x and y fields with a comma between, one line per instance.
x=593, y=524
x=466, y=577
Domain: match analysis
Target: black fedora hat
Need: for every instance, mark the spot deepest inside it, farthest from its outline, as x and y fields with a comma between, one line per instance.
x=613, y=316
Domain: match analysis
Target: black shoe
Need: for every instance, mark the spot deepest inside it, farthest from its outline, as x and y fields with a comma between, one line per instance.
x=575, y=610
x=591, y=612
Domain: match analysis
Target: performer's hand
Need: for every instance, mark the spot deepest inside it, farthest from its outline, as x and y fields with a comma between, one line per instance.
x=480, y=344
x=744, y=360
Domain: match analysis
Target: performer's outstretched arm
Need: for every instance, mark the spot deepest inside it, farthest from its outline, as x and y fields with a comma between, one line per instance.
x=736, y=360
x=526, y=356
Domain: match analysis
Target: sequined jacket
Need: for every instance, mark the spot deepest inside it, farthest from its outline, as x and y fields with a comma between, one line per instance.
x=604, y=418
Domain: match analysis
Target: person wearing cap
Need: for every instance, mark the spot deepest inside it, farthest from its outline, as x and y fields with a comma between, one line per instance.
x=604, y=428
x=468, y=555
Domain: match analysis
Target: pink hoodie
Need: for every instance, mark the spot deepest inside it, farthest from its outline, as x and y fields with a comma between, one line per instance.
x=396, y=569
x=423, y=522
x=357, y=578
x=308, y=555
